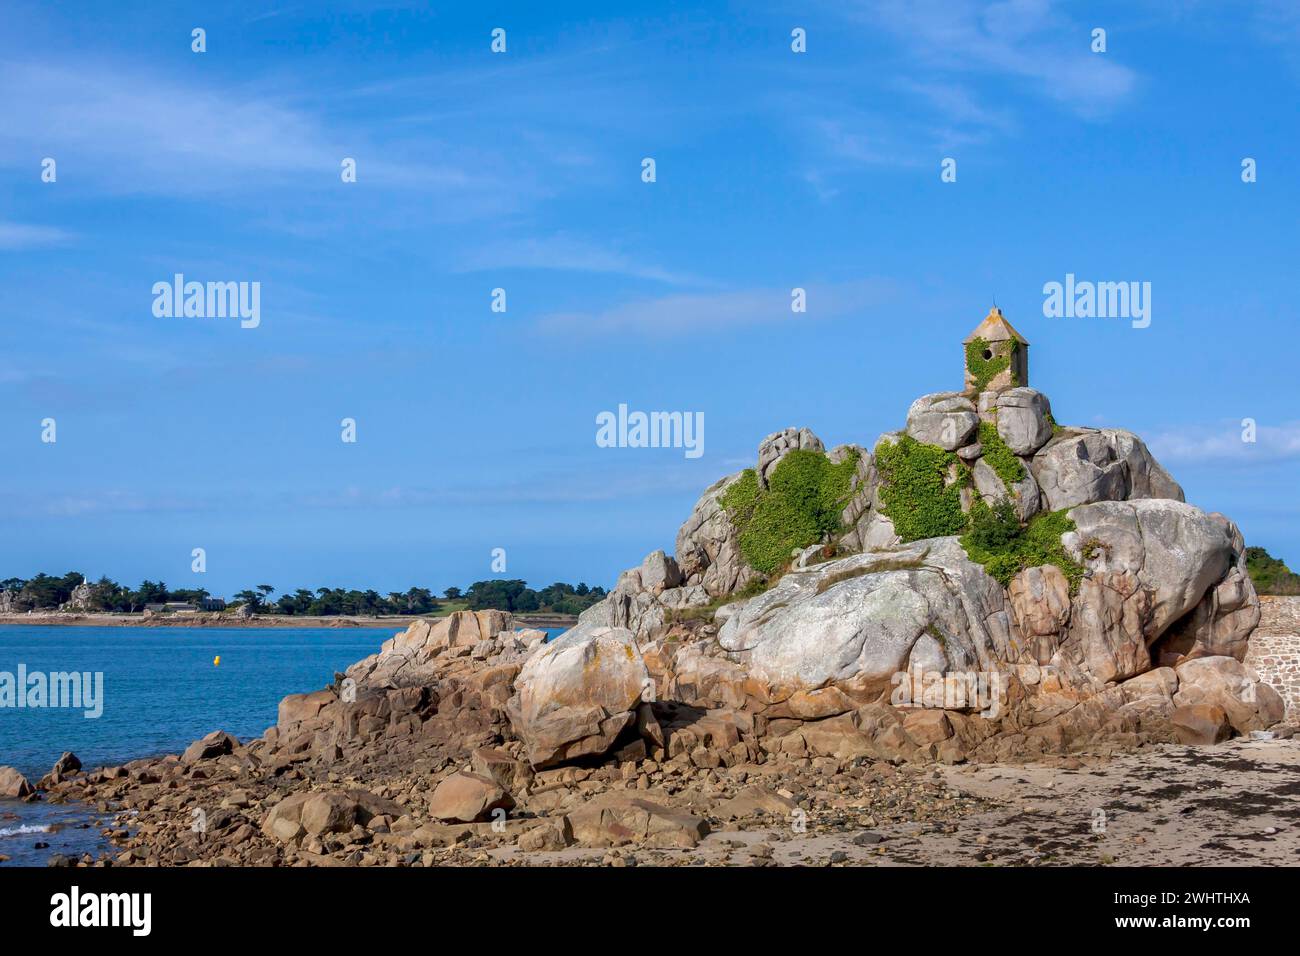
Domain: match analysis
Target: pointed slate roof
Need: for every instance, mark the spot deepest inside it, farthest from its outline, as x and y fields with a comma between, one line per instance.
x=995, y=328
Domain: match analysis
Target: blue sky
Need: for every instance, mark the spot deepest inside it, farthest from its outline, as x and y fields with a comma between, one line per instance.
x=522, y=170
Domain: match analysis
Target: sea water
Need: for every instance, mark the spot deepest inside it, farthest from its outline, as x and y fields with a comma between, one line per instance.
x=161, y=691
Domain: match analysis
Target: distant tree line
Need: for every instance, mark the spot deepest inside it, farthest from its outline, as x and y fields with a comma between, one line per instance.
x=48, y=592
x=518, y=597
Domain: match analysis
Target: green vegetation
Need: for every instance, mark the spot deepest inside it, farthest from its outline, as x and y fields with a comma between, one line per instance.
x=1269, y=574
x=916, y=495
x=998, y=456
x=919, y=496
x=985, y=369
x=999, y=542
x=805, y=495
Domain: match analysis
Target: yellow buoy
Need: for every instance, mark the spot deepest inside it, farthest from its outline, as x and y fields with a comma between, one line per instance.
x=216, y=661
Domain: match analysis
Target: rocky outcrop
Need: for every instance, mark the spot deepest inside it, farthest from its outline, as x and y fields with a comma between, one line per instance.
x=317, y=814
x=708, y=545
x=80, y=598
x=414, y=657
x=1089, y=465
x=1158, y=583
x=856, y=518
x=65, y=767
x=1202, y=724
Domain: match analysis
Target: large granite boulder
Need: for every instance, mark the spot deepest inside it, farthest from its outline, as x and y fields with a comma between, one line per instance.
x=576, y=695
x=1174, y=551
x=216, y=744
x=659, y=573
x=1221, y=624
x=1149, y=566
x=468, y=797
x=1108, y=464
x=13, y=784
x=615, y=819
x=1024, y=418
x=858, y=621
x=946, y=419
x=296, y=708
x=1224, y=682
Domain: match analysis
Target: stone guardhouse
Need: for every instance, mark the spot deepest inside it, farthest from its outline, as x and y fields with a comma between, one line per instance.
x=997, y=356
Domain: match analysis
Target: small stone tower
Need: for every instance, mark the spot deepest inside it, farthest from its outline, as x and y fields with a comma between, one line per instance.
x=997, y=356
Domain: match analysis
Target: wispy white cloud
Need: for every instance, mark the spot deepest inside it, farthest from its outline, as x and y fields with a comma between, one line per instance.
x=946, y=62
x=562, y=252
x=14, y=235
x=128, y=130
x=1031, y=40
x=1222, y=443
x=1277, y=22
x=687, y=313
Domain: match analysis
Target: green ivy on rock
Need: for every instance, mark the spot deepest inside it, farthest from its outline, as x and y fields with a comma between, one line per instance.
x=915, y=494
x=999, y=542
x=1004, y=462
x=805, y=496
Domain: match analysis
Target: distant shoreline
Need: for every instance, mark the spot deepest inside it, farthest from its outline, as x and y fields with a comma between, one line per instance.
x=213, y=619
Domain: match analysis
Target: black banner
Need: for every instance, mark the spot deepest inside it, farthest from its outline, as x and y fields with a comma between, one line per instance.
x=149, y=906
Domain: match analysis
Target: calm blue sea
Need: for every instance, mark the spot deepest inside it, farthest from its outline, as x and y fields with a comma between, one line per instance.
x=161, y=691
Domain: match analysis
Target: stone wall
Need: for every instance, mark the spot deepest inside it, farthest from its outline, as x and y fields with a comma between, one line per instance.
x=1275, y=649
